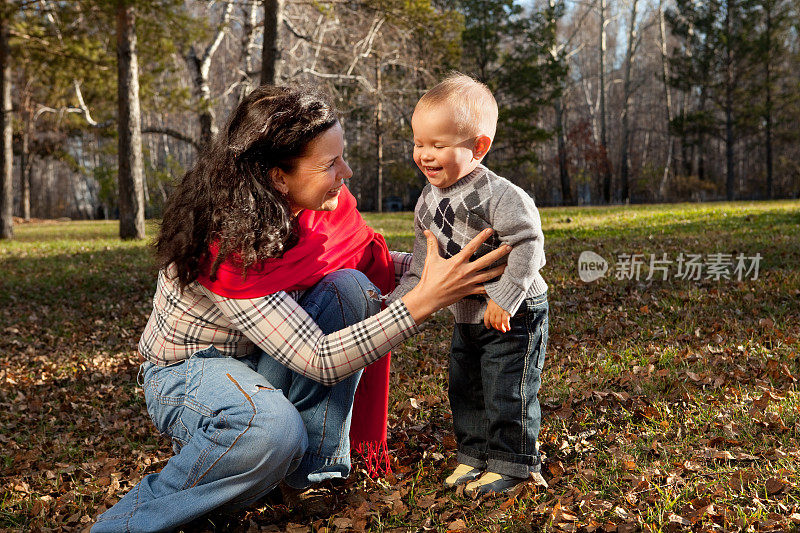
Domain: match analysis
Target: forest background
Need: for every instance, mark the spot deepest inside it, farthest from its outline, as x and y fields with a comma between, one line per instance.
x=107, y=102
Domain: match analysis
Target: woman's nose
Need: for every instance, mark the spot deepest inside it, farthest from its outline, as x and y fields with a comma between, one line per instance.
x=345, y=172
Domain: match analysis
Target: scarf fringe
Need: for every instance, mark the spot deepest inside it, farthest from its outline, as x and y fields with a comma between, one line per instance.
x=376, y=457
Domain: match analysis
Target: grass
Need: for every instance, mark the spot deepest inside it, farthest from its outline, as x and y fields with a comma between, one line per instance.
x=667, y=405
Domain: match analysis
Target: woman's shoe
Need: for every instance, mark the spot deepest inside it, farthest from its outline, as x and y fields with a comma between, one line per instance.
x=461, y=475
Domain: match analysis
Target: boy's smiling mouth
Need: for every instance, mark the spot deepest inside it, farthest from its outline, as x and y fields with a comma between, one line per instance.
x=432, y=170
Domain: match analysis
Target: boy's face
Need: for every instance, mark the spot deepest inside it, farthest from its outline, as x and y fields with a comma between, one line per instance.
x=442, y=153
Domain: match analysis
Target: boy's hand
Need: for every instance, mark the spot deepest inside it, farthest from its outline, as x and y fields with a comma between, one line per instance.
x=496, y=317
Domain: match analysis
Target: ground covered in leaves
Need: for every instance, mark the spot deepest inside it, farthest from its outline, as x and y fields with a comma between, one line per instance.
x=668, y=404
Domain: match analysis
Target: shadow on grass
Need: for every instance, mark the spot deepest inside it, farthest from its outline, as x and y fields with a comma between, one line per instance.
x=75, y=434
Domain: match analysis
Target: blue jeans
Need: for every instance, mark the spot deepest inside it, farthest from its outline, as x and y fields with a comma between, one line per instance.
x=239, y=426
x=494, y=383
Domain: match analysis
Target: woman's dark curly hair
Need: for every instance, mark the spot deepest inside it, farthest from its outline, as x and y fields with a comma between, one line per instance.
x=228, y=196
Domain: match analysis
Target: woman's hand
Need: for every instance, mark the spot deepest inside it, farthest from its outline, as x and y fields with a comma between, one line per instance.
x=446, y=281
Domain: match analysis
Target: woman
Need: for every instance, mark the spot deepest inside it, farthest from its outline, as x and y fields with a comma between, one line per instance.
x=264, y=314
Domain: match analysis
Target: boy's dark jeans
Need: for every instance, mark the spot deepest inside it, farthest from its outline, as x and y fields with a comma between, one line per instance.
x=494, y=382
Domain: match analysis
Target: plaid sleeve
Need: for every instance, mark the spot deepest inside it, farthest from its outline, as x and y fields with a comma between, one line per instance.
x=282, y=328
x=402, y=262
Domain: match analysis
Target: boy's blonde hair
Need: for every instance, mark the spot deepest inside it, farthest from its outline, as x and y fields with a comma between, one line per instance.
x=473, y=103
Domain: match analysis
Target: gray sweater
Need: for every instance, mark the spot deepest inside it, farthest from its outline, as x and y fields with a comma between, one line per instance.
x=456, y=214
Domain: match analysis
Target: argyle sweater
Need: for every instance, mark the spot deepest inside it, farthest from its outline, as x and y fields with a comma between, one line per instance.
x=456, y=214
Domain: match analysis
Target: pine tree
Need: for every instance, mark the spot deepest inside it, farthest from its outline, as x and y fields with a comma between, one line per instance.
x=511, y=50
x=711, y=66
x=531, y=80
x=768, y=71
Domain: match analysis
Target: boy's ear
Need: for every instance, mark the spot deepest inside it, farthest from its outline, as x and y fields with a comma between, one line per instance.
x=481, y=146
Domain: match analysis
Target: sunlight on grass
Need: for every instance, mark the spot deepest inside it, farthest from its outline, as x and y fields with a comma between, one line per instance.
x=656, y=394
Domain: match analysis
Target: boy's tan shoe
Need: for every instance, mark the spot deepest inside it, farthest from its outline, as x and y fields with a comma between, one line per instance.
x=492, y=482
x=461, y=475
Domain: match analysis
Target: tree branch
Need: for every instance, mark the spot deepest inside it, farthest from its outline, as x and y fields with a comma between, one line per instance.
x=174, y=134
x=205, y=62
x=340, y=77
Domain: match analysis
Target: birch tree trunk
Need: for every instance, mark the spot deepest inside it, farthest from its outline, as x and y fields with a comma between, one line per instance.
x=6, y=153
x=248, y=41
x=624, y=159
x=605, y=168
x=131, y=173
x=200, y=66
x=662, y=186
x=25, y=169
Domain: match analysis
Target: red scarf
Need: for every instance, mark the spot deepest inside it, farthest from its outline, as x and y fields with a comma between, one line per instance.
x=328, y=241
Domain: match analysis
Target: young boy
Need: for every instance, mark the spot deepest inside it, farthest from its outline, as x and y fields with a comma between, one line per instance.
x=499, y=340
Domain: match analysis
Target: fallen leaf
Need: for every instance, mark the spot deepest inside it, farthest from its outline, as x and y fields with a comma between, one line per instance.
x=775, y=486
x=342, y=523
x=741, y=479
x=677, y=519
x=456, y=525
x=556, y=468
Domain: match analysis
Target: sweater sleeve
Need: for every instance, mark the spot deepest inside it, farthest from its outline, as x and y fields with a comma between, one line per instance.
x=514, y=217
x=412, y=275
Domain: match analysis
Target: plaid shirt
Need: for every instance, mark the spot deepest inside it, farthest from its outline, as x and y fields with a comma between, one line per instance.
x=183, y=323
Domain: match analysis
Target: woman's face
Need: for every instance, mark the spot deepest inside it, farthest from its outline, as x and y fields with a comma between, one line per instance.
x=318, y=175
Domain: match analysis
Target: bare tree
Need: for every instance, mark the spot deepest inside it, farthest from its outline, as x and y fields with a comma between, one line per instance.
x=131, y=173
x=624, y=159
x=270, y=57
x=602, y=50
x=662, y=186
x=248, y=45
x=558, y=109
x=6, y=153
x=199, y=66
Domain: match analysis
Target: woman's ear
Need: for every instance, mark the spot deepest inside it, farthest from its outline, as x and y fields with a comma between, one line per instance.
x=481, y=146
x=278, y=179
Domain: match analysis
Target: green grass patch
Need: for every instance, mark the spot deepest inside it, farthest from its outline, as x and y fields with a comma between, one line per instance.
x=668, y=405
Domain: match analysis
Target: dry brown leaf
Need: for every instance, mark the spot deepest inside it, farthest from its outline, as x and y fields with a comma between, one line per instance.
x=677, y=519
x=342, y=523
x=556, y=468
x=456, y=525
x=741, y=479
x=691, y=466
x=776, y=486
x=628, y=527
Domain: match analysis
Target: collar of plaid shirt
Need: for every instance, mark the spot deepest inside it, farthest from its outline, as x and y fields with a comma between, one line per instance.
x=327, y=241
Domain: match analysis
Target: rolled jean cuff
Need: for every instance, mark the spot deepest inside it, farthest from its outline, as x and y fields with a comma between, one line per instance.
x=317, y=468
x=514, y=465
x=470, y=457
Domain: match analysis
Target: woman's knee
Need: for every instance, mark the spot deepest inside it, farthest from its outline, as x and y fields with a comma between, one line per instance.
x=355, y=288
x=276, y=438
